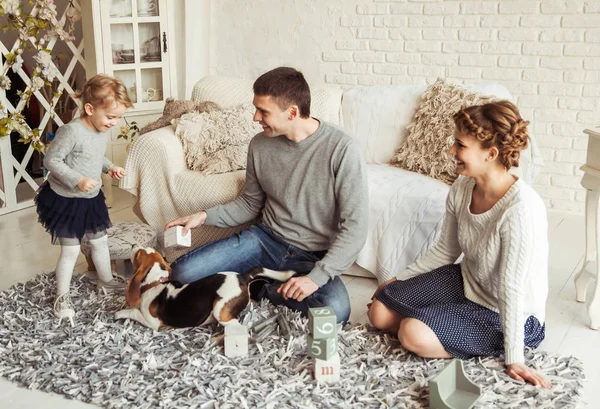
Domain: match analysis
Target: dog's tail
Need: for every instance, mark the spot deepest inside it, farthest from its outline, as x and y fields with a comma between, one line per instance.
x=257, y=272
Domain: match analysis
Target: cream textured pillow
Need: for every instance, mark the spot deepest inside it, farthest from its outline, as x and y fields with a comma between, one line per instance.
x=217, y=141
x=431, y=132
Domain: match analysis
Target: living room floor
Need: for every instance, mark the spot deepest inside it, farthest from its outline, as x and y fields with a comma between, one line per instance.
x=25, y=251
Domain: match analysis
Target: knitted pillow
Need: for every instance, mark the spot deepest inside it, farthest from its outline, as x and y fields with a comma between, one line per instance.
x=174, y=108
x=217, y=141
x=431, y=132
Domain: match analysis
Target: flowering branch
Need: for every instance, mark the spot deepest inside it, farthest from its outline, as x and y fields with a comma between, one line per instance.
x=128, y=131
x=36, y=29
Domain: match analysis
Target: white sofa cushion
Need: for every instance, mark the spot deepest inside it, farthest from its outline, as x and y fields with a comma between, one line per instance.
x=377, y=117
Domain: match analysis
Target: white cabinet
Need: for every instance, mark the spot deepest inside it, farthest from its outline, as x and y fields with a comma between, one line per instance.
x=132, y=40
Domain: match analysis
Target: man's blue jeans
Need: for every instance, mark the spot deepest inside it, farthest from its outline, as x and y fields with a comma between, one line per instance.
x=257, y=246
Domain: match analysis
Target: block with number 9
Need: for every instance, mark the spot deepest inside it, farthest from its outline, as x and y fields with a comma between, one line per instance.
x=322, y=323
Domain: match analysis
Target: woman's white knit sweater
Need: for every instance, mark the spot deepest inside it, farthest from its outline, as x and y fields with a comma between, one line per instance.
x=505, y=264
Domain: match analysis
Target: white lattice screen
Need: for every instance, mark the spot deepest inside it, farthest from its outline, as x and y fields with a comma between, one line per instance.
x=13, y=171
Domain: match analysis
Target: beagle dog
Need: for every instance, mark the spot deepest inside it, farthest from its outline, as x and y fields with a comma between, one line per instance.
x=156, y=301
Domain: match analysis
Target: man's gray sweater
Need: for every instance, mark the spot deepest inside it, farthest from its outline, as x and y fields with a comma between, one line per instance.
x=75, y=152
x=312, y=194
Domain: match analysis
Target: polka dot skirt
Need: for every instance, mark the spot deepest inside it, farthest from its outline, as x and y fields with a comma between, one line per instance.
x=464, y=328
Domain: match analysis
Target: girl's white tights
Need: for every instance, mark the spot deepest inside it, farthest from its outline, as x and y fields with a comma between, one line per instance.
x=69, y=251
x=64, y=268
x=101, y=257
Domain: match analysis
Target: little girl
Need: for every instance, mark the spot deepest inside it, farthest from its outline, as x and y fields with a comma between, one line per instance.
x=70, y=204
x=494, y=301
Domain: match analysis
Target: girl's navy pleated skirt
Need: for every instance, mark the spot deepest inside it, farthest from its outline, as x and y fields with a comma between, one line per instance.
x=71, y=217
x=465, y=329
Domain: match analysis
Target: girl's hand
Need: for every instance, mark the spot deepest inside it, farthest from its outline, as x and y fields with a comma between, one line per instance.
x=86, y=184
x=116, y=172
x=522, y=373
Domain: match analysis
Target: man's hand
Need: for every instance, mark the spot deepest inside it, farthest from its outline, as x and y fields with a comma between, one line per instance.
x=188, y=222
x=86, y=184
x=297, y=288
x=116, y=172
x=522, y=373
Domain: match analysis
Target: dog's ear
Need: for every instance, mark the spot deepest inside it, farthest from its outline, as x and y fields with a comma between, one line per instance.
x=132, y=293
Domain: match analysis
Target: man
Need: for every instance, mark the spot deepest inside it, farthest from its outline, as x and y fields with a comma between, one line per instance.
x=307, y=179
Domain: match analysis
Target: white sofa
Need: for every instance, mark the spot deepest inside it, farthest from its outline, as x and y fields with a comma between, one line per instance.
x=406, y=209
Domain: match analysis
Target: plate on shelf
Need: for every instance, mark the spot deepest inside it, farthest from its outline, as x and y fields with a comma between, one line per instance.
x=151, y=58
x=147, y=14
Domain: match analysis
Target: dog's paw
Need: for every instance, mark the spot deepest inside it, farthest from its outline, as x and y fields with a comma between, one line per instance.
x=123, y=314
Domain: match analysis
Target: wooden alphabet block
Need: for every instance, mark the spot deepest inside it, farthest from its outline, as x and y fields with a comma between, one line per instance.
x=327, y=371
x=236, y=340
x=321, y=348
x=322, y=322
x=174, y=237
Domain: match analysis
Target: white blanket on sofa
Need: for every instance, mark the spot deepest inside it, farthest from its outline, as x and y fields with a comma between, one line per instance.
x=398, y=234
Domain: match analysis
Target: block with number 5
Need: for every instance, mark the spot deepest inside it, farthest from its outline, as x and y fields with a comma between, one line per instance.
x=321, y=348
x=322, y=323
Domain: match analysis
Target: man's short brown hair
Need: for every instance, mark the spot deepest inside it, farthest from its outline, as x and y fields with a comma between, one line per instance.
x=287, y=86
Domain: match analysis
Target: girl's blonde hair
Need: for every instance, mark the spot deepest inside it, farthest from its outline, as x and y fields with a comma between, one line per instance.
x=496, y=124
x=102, y=91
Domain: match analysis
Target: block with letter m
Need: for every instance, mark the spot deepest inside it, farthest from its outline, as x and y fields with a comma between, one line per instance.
x=327, y=371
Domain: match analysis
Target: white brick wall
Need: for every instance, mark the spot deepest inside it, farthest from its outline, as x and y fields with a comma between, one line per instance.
x=546, y=52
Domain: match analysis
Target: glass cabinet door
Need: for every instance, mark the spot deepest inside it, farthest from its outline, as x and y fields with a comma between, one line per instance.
x=138, y=49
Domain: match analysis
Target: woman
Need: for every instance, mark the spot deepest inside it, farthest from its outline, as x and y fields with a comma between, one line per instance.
x=493, y=302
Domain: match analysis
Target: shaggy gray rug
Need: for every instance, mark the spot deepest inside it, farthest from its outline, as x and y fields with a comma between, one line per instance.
x=120, y=364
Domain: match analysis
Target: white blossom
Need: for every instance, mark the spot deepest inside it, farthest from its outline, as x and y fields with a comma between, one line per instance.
x=18, y=63
x=11, y=6
x=47, y=11
x=5, y=82
x=43, y=58
x=73, y=14
x=19, y=127
x=48, y=69
x=37, y=83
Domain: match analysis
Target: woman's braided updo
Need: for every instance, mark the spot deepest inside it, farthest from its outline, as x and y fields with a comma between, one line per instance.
x=496, y=124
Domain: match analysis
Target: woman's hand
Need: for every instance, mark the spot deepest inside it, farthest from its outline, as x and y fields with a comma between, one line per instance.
x=188, y=222
x=522, y=373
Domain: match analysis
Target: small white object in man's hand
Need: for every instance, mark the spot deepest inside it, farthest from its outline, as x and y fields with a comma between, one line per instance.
x=173, y=237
